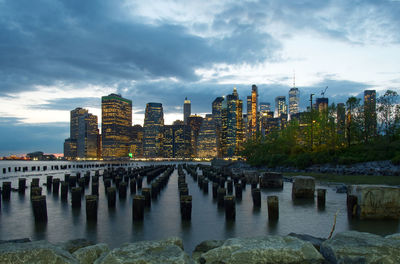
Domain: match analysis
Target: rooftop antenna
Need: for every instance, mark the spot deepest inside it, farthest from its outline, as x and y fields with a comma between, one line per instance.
x=323, y=92
x=294, y=79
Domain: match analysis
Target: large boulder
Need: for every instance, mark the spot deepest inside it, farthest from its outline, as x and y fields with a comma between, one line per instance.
x=357, y=247
x=271, y=180
x=315, y=241
x=375, y=201
x=88, y=255
x=205, y=246
x=73, y=245
x=303, y=187
x=269, y=249
x=147, y=252
x=34, y=252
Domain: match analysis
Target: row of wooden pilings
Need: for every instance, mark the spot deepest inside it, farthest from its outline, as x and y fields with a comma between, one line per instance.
x=76, y=186
x=185, y=199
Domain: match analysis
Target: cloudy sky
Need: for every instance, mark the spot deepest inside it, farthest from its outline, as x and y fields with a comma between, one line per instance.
x=56, y=55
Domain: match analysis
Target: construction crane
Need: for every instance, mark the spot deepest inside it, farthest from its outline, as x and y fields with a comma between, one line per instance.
x=323, y=92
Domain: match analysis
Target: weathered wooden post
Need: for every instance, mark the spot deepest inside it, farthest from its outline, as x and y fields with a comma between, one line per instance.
x=72, y=181
x=49, y=181
x=220, y=196
x=229, y=185
x=111, y=197
x=256, y=194
x=36, y=191
x=21, y=185
x=122, y=190
x=64, y=190
x=154, y=190
x=81, y=183
x=139, y=182
x=238, y=191
x=95, y=188
x=107, y=184
x=147, y=196
x=321, y=198
x=230, y=210
x=303, y=187
x=352, y=202
x=205, y=185
x=132, y=185
x=138, y=208
x=91, y=207
x=56, y=186
x=35, y=182
x=76, y=195
x=66, y=177
x=186, y=207
x=273, y=207
x=215, y=190
x=39, y=208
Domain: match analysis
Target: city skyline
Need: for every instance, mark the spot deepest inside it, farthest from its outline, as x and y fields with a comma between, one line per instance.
x=164, y=51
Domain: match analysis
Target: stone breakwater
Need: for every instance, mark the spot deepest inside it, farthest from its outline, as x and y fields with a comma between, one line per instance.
x=346, y=247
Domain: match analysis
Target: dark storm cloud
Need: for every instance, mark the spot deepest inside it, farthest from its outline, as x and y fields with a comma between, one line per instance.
x=43, y=42
x=22, y=138
x=70, y=103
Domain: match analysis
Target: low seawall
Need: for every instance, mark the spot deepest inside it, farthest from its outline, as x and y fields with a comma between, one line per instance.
x=345, y=247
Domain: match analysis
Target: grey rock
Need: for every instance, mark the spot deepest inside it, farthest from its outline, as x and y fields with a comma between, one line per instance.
x=20, y=240
x=358, y=247
x=34, y=252
x=88, y=255
x=73, y=245
x=205, y=246
x=147, y=252
x=269, y=249
x=393, y=236
x=315, y=241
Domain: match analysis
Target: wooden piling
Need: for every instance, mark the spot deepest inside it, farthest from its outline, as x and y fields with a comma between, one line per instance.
x=229, y=185
x=95, y=188
x=56, y=186
x=205, y=185
x=132, y=185
x=39, y=208
x=76, y=194
x=122, y=190
x=21, y=185
x=72, y=181
x=139, y=182
x=352, y=202
x=138, y=208
x=35, y=182
x=256, y=194
x=49, y=181
x=186, y=207
x=230, y=210
x=215, y=190
x=220, y=196
x=35, y=191
x=91, y=207
x=273, y=207
x=321, y=198
x=64, y=190
x=111, y=197
x=238, y=191
x=147, y=196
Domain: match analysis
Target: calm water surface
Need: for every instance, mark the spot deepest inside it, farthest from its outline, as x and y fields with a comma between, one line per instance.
x=162, y=220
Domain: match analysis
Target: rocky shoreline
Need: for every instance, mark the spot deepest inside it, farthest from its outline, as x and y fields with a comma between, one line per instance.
x=345, y=247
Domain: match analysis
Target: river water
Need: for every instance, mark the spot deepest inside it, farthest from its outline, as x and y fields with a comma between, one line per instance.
x=163, y=219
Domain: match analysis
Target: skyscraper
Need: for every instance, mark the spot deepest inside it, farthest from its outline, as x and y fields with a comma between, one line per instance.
x=176, y=141
x=294, y=99
x=370, y=113
x=254, y=109
x=194, y=122
x=116, y=113
x=264, y=108
x=153, y=129
x=217, y=117
x=232, y=125
x=88, y=132
x=280, y=106
x=207, y=139
x=186, y=110
x=136, y=148
x=70, y=144
x=322, y=104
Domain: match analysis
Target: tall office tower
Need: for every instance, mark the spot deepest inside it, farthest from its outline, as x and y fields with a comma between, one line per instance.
x=370, y=113
x=88, y=132
x=176, y=141
x=322, y=104
x=254, y=109
x=341, y=121
x=116, y=123
x=194, y=122
x=70, y=144
x=207, y=139
x=153, y=129
x=186, y=110
x=136, y=148
x=232, y=125
x=264, y=108
x=294, y=99
x=280, y=106
x=249, y=117
x=216, y=113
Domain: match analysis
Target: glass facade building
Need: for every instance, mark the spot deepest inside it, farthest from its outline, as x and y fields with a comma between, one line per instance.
x=207, y=139
x=116, y=113
x=153, y=130
x=186, y=110
x=294, y=100
x=88, y=132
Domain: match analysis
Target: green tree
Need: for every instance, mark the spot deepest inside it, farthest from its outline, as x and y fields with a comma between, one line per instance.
x=388, y=113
